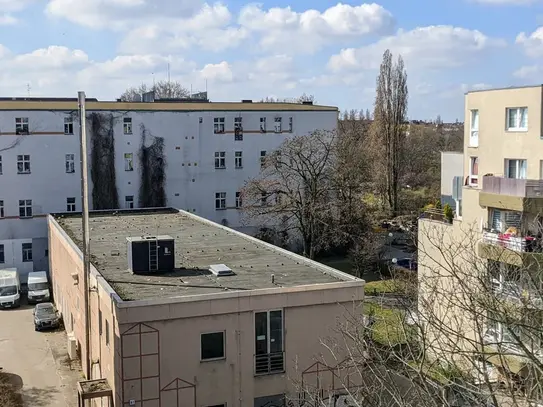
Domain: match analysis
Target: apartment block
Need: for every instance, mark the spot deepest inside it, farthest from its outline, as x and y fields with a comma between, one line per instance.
x=491, y=253
x=202, y=151
x=185, y=312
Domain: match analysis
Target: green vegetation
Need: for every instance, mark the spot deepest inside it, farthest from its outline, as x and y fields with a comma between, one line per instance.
x=384, y=287
x=389, y=327
x=435, y=371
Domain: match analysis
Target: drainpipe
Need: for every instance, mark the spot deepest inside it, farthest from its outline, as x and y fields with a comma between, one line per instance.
x=85, y=220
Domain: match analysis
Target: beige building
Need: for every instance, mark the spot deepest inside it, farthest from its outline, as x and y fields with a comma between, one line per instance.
x=189, y=313
x=490, y=255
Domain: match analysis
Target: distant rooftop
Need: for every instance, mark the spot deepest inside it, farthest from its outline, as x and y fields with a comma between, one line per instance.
x=199, y=243
x=185, y=104
x=505, y=88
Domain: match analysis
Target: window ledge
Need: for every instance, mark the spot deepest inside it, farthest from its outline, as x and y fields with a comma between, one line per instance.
x=26, y=217
x=221, y=359
x=516, y=130
x=24, y=173
x=221, y=209
x=264, y=374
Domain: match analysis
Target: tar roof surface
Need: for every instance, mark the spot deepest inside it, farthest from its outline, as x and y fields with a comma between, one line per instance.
x=198, y=244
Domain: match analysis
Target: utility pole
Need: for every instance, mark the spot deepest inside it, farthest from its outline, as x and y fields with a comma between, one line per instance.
x=86, y=231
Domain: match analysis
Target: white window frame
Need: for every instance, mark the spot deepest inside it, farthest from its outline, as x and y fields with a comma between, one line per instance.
x=70, y=163
x=26, y=252
x=518, y=122
x=2, y=212
x=238, y=159
x=290, y=124
x=474, y=128
x=68, y=125
x=220, y=160
x=129, y=202
x=239, y=200
x=220, y=201
x=278, y=122
x=223, y=346
x=218, y=125
x=473, y=179
x=23, y=164
x=25, y=208
x=70, y=204
x=21, y=125
x=238, y=128
x=129, y=161
x=520, y=172
x=268, y=338
x=127, y=125
x=263, y=125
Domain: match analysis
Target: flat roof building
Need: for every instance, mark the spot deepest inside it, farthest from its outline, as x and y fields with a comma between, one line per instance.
x=230, y=321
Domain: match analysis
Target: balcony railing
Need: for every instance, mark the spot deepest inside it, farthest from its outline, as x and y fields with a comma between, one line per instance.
x=524, y=188
x=515, y=243
x=270, y=363
x=516, y=292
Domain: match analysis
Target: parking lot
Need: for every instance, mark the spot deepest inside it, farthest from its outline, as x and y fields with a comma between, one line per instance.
x=36, y=361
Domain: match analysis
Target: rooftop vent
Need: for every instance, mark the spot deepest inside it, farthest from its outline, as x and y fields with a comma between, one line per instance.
x=151, y=254
x=221, y=270
x=246, y=101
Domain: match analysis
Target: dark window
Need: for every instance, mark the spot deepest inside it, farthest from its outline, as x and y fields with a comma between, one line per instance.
x=212, y=345
x=269, y=356
x=27, y=252
x=99, y=322
x=107, y=332
x=2, y=258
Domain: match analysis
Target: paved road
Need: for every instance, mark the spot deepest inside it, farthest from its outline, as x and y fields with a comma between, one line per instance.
x=27, y=356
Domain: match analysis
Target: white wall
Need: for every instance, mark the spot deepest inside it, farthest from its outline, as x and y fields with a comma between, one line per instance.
x=13, y=257
x=48, y=185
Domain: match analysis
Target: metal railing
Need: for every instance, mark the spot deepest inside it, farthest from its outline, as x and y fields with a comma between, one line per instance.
x=270, y=363
x=524, y=188
x=515, y=243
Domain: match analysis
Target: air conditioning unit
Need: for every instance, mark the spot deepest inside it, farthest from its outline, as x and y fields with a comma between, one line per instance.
x=220, y=270
x=151, y=254
x=72, y=346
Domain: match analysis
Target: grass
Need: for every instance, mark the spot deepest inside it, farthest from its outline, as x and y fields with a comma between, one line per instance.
x=389, y=328
x=383, y=287
x=9, y=397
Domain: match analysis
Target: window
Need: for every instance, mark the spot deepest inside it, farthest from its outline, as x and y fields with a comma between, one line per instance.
x=129, y=202
x=2, y=256
x=128, y=162
x=2, y=209
x=127, y=125
x=27, y=252
x=70, y=163
x=70, y=204
x=473, y=171
x=238, y=159
x=107, y=332
x=517, y=119
x=220, y=160
x=0, y=165
x=220, y=200
x=23, y=164
x=263, y=125
x=68, y=125
x=474, y=133
x=25, y=208
x=238, y=200
x=269, y=342
x=100, y=322
x=218, y=125
x=290, y=124
x=212, y=346
x=278, y=125
x=21, y=125
x=262, y=159
x=238, y=129
x=515, y=169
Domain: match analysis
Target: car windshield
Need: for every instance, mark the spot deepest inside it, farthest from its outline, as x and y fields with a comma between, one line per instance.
x=9, y=290
x=45, y=311
x=38, y=286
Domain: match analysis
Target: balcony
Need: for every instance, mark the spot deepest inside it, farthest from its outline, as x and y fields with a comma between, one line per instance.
x=270, y=363
x=509, y=249
x=523, y=195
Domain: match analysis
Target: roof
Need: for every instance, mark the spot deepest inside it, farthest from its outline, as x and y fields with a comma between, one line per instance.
x=199, y=243
x=506, y=88
x=94, y=105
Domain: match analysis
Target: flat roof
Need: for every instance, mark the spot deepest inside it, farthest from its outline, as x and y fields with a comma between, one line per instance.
x=184, y=106
x=199, y=243
x=504, y=88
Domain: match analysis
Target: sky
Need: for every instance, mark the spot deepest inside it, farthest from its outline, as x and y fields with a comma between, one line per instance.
x=242, y=50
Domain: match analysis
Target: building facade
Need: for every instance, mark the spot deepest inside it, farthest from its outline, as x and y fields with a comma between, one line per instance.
x=481, y=273
x=200, y=152
x=253, y=337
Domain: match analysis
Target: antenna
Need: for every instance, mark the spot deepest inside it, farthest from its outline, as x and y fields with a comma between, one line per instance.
x=28, y=88
x=168, y=72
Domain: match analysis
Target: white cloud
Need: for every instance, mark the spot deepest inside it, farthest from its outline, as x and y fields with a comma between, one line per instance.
x=7, y=19
x=507, y=2
x=424, y=47
x=533, y=43
x=529, y=72
x=283, y=28
x=221, y=72
x=14, y=5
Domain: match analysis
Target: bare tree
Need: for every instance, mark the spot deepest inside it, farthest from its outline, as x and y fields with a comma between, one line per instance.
x=162, y=89
x=388, y=130
x=300, y=99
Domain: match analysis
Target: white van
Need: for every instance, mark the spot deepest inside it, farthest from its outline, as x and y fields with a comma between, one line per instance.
x=38, y=287
x=10, y=288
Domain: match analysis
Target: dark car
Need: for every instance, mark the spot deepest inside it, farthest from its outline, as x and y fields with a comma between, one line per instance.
x=46, y=316
x=406, y=263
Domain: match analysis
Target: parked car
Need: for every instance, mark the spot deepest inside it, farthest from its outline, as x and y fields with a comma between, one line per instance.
x=406, y=263
x=46, y=316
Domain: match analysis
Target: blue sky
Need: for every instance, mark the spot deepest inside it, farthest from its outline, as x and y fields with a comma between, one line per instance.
x=275, y=48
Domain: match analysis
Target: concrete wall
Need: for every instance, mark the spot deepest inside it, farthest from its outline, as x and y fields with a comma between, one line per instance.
x=452, y=165
x=154, y=345
x=191, y=178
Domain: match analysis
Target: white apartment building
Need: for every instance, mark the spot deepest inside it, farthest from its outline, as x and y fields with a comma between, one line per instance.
x=210, y=149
